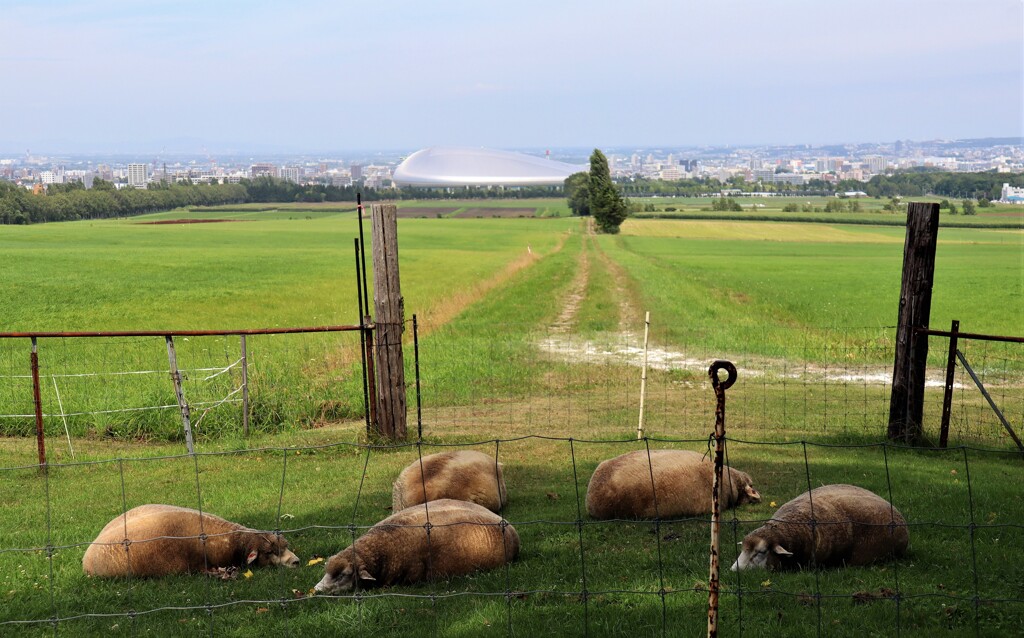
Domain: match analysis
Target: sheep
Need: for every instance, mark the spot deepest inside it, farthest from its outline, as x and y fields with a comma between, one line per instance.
x=157, y=540
x=621, y=487
x=463, y=537
x=850, y=526
x=464, y=475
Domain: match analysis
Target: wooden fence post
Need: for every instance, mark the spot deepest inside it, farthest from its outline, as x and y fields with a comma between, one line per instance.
x=906, y=403
x=389, y=308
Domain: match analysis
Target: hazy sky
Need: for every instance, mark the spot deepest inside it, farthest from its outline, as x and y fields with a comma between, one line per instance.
x=317, y=76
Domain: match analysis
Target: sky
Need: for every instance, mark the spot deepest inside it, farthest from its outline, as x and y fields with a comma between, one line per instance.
x=112, y=76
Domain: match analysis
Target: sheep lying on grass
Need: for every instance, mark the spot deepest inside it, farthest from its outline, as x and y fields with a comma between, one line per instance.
x=157, y=540
x=464, y=475
x=463, y=537
x=622, y=488
x=851, y=526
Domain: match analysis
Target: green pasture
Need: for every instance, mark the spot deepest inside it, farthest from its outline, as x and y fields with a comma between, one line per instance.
x=805, y=310
x=322, y=496
x=770, y=295
x=763, y=279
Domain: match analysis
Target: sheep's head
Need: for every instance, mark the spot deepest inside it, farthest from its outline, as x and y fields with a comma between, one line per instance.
x=747, y=493
x=341, y=575
x=760, y=553
x=270, y=549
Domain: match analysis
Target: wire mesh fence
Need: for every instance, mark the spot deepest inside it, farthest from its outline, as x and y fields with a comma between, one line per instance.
x=575, y=575
x=122, y=387
x=550, y=408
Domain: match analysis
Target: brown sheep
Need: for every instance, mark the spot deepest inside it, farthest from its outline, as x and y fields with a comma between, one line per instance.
x=852, y=526
x=464, y=475
x=621, y=487
x=165, y=539
x=463, y=537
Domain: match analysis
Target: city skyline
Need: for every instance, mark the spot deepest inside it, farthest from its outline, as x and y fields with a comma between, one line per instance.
x=107, y=76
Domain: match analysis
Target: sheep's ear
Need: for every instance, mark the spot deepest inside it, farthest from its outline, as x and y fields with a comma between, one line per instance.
x=253, y=555
x=365, y=575
x=781, y=551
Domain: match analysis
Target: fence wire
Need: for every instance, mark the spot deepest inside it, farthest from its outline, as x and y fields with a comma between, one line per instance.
x=805, y=413
x=594, y=575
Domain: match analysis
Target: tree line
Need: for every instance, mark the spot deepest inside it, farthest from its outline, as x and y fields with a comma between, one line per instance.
x=66, y=202
x=908, y=183
x=72, y=201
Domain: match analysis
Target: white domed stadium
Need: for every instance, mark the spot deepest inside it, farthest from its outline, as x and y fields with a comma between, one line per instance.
x=440, y=166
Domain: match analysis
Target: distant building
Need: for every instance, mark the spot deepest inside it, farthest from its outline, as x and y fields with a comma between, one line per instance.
x=138, y=175
x=1011, y=195
x=263, y=169
x=290, y=173
x=446, y=166
x=356, y=172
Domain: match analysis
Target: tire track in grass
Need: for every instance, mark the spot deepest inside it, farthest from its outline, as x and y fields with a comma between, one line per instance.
x=446, y=310
x=578, y=289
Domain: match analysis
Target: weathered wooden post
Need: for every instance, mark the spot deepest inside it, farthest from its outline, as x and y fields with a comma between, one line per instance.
x=389, y=323
x=906, y=404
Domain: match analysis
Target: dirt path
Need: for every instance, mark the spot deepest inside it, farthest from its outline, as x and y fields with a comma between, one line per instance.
x=578, y=288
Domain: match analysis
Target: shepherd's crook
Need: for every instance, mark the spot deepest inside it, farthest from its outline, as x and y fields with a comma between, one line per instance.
x=720, y=388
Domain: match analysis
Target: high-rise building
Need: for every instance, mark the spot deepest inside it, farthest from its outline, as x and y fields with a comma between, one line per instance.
x=138, y=175
x=290, y=173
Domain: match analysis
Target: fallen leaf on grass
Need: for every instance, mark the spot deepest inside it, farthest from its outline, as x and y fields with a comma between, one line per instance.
x=262, y=610
x=313, y=561
x=223, y=573
x=772, y=504
x=248, y=573
x=766, y=583
x=552, y=496
x=298, y=593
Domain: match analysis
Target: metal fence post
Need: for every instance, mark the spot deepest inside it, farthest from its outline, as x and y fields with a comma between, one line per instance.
x=947, y=395
x=720, y=388
x=172, y=357
x=38, y=403
x=245, y=389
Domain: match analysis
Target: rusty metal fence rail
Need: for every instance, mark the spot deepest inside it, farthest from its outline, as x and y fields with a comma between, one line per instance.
x=137, y=384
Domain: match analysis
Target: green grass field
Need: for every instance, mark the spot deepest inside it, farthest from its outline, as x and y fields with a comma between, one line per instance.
x=519, y=322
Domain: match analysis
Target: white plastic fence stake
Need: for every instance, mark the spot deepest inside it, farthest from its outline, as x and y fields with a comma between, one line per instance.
x=60, y=404
x=643, y=377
